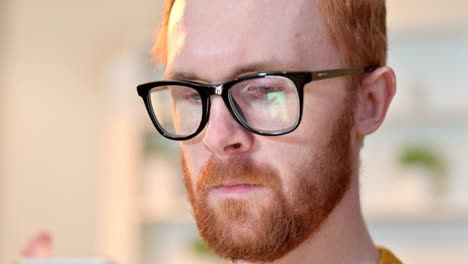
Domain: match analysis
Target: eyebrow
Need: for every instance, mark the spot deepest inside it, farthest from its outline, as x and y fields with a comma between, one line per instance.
x=262, y=66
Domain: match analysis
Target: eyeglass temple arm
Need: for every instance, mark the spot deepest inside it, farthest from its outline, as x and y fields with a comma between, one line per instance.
x=321, y=75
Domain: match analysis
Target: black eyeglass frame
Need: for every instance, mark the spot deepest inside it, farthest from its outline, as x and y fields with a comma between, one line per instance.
x=300, y=79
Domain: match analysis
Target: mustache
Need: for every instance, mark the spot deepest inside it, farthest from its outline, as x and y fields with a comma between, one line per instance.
x=217, y=173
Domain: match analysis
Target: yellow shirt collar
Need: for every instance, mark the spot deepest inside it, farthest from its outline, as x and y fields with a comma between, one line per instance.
x=387, y=257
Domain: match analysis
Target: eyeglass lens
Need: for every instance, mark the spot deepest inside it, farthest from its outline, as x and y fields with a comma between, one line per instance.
x=178, y=109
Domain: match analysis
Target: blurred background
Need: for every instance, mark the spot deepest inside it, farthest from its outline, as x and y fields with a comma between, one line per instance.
x=80, y=161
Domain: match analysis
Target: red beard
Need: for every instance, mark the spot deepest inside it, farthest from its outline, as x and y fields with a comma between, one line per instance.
x=260, y=231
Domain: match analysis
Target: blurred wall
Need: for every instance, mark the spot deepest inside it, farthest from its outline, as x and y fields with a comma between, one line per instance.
x=2, y=116
x=56, y=150
x=426, y=15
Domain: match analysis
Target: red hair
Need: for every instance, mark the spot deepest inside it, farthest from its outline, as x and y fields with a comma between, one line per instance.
x=357, y=28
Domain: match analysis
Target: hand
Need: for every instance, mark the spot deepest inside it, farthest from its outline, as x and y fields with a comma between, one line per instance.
x=39, y=246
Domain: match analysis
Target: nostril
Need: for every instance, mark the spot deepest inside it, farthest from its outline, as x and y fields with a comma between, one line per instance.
x=233, y=147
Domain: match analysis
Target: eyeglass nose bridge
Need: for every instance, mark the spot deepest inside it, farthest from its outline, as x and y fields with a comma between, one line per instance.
x=218, y=89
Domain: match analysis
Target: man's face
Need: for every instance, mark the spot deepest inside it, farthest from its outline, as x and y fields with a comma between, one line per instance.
x=256, y=198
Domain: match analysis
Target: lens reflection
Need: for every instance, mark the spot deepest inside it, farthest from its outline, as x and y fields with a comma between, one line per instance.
x=266, y=104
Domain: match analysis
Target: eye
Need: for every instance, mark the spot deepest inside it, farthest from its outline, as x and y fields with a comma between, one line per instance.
x=263, y=89
x=186, y=95
x=266, y=90
x=263, y=92
x=194, y=97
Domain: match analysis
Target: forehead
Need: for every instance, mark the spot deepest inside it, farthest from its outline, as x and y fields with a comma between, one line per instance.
x=214, y=39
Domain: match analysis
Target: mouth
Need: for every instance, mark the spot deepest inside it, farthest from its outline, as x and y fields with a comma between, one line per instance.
x=236, y=188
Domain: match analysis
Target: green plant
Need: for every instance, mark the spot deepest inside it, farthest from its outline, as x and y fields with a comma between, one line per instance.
x=420, y=155
x=200, y=247
x=425, y=156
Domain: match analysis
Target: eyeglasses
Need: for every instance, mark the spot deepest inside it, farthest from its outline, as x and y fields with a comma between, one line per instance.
x=268, y=104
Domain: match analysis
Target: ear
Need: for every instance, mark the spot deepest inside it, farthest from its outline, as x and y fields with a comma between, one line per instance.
x=375, y=95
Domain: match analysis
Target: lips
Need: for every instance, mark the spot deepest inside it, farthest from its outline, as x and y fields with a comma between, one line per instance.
x=235, y=188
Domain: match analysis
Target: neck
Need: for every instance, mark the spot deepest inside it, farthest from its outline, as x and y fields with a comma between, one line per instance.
x=342, y=238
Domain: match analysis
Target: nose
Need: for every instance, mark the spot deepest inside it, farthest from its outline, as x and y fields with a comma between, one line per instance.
x=224, y=136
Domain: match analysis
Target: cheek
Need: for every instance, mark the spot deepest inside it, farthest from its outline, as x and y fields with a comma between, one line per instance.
x=322, y=107
x=194, y=157
x=286, y=158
